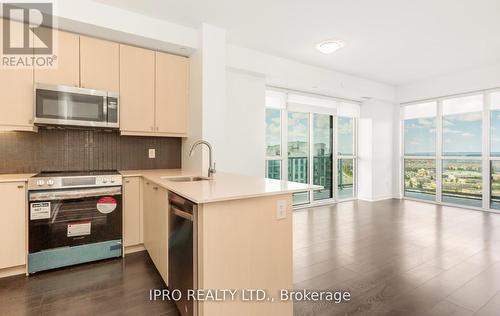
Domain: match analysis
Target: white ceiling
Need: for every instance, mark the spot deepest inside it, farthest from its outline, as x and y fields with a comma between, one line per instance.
x=392, y=41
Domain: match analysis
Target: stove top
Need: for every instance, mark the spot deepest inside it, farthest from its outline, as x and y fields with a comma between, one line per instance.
x=50, y=174
x=52, y=180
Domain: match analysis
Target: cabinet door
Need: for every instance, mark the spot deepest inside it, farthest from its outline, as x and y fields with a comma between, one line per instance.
x=161, y=211
x=13, y=224
x=137, y=67
x=148, y=217
x=16, y=109
x=132, y=208
x=99, y=64
x=67, y=72
x=171, y=93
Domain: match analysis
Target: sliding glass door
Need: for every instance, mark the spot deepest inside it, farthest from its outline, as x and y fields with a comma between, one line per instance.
x=323, y=155
x=301, y=141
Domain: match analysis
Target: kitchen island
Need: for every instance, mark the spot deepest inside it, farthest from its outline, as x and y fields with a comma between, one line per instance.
x=243, y=236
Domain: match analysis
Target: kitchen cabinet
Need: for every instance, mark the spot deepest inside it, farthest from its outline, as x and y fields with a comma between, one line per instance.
x=67, y=71
x=16, y=110
x=13, y=224
x=156, y=226
x=99, y=64
x=171, y=94
x=137, y=68
x=132, y=211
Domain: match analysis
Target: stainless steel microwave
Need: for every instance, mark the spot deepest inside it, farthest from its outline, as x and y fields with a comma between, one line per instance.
x=72, y=106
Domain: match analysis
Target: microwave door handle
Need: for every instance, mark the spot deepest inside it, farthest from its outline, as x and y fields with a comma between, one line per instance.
x=105, y=109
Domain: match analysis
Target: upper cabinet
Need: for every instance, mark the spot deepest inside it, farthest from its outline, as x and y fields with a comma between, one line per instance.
x=153, y=86
x=171, y=94
x=16, y=108
x=99, y=64
x=67, y=72
x=137, y=90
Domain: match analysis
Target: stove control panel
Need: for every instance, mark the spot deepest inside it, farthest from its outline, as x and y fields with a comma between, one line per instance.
x=46, y=183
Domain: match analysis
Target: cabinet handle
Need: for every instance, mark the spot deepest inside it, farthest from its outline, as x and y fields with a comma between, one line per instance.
x=152, y=128
x=155, y=188
x=20, y=186
x=127, y=181
x=30, y=122
x=147, y=183
x=157, y=128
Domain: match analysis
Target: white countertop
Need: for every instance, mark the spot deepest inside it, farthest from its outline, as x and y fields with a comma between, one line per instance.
x=15, y=177
x=224, y=186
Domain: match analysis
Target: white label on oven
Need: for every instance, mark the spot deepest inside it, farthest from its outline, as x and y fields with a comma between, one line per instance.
x=79, y=229
x=39, y=210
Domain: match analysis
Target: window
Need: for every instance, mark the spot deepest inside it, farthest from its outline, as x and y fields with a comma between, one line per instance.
x=323, y=155
x=273, y=143
x=298, y=152
x=495, y=150
x=309, y=128
x=345, y=157
x=462, y=182
x=419, y=163
x=453, y=172
x=420, y=179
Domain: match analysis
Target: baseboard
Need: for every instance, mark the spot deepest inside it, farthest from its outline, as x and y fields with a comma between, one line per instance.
x=376, y=199
x=134, y=248
x=6, y=272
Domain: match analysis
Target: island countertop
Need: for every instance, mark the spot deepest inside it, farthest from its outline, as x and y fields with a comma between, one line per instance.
x=223, y=186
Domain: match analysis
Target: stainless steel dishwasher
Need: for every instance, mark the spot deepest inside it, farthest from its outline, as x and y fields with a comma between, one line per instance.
x=182, y=250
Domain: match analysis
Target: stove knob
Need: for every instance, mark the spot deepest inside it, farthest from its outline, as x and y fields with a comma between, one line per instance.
x=40, y=182
x=104, y=180
x=50, y=182
x=112, y=180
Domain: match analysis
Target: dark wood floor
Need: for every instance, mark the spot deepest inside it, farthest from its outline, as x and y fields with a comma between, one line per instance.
x=109, y=287
x=399, y=258
x=396, y=258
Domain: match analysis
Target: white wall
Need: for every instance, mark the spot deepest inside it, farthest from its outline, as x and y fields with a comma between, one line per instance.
x=376, y=150
x=481, y=78
x=207, y=99
x=245, y=124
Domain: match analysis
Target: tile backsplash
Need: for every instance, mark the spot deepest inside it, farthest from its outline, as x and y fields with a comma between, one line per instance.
x=73, y=149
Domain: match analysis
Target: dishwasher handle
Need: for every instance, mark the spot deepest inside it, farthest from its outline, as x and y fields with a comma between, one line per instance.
x=178, y=212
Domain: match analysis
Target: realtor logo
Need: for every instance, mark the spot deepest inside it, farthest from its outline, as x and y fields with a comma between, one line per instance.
x=22, y=31
x=27, y=35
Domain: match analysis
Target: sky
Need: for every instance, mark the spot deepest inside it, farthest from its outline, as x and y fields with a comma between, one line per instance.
x=461, y=135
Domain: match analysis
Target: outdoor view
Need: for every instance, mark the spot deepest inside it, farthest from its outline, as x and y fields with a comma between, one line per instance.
x=420, y=137
x=495, y=133
x=495, y=185
x=345, y=178
x=462, y=182
x=322, y=151
x=462, y=134
x=298, y=152
x=420, y=178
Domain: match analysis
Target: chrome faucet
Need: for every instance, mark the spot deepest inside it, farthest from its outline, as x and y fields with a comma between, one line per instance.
x=211, y=169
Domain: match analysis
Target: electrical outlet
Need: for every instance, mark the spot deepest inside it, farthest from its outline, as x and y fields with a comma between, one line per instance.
x=281, y=209
x=152, y=153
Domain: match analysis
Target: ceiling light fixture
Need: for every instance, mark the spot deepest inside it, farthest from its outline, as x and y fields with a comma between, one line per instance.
x=329, y=46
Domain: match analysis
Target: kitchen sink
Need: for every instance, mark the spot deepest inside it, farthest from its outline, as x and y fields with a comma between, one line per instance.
x=185, y=179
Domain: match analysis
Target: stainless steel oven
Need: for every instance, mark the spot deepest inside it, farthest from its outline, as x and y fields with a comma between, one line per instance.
x=72, y=106
x=73, y=219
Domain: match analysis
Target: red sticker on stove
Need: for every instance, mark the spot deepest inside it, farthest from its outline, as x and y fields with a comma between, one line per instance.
x=106, y=204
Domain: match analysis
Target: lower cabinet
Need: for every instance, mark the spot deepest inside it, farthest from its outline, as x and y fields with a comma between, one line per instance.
x=13, y=224
x=132, y=211
x=156, y=226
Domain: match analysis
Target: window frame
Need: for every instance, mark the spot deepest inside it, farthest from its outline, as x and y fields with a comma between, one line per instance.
x=284, y=146
x=485, y=158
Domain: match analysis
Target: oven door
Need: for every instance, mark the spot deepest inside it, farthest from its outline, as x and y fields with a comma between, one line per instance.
x=63, y=105
x=74, y=217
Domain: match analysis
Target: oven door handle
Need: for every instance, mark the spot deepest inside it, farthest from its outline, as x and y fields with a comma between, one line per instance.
x=73, y=194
